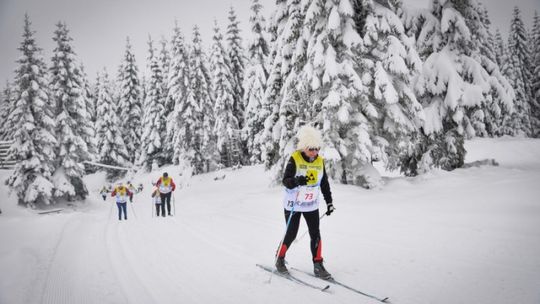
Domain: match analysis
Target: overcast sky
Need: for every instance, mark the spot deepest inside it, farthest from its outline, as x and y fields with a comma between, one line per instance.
x=99, y=27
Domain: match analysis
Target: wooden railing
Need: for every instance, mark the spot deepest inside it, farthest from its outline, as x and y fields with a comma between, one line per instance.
x=5, y=163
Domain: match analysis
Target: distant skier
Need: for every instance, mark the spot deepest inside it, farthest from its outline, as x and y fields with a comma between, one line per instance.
x=121, y=193
x=304, y=178
x=104, y=192
x=140, y=188
x=132, y=190
x=156, y=199
x=166, y=186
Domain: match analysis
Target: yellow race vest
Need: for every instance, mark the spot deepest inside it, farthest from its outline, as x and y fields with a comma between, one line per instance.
x=121, y=194
x=165, y=186
x=305, y=198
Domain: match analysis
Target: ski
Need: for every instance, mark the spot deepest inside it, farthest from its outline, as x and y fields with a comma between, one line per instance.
x=333, y=281
x=292, y=278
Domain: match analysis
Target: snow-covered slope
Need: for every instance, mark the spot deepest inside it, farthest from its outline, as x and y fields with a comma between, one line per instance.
x=466, y=236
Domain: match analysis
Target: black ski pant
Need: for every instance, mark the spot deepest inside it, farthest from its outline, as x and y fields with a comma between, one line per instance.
x=166, y=198
x=312, y=221
x=160, y=207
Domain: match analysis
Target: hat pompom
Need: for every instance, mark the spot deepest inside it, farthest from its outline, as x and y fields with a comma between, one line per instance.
x=308, y=137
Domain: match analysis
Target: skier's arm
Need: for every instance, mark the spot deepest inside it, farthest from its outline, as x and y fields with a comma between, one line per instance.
x=289, y=179
x=173, y=186
x=325, y=188
x=113, y=193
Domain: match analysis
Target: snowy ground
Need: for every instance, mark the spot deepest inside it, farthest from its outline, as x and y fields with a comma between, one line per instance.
x=467, y=236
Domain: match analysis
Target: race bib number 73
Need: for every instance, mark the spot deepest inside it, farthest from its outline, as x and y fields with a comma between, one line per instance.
x=307, y=195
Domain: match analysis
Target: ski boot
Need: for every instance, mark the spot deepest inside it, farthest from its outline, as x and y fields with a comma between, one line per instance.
x=280, y=266
x=320, y=271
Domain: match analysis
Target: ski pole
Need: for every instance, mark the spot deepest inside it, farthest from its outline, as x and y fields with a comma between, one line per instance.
x=133, y=209
x=110, y=211
x=282, y=240
x=305, y=232
x=174, y=205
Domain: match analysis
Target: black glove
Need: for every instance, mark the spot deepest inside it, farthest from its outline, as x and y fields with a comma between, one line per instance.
x=329, y=209
x=301, y=180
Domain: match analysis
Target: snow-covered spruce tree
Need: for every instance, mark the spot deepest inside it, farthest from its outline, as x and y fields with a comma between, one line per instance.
x=498, y=49
x=200, y=109
x=178, y=81
x=72, y=119
x=226, y=127
x=498, y=99
x=164, y=60
x=296, y=106
x=154, y=128
x=519, y=77
x=535, y=67
x=452, y=85
x=110, y=140
x=88, y=92
x=130, y=105
x=255, y=78
x=389, y=63
x=34, y=149
x=6, y=106
x=283, y=43
x=483, y=34
x=237, y=64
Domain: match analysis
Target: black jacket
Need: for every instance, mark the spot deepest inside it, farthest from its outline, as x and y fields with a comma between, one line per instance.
x=289, y=180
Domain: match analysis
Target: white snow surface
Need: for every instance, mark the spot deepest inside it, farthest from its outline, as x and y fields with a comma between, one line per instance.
x=466, y=236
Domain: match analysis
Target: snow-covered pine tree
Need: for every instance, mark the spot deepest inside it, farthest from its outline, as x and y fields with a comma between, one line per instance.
x=486, y=40
x=499, y=49
x=87, y=91
x=154, y=128
x=199, y=98
x=333, y=75
x=296, y=106
x=498, y=100
x=519, y=77
x=110, y=140
x=189, y=137
x=255, y=78
x=237, y=64
x=72, y=119
x=130, y=105
x=226, y=127
x=6, y=106
x=535, y=61
x=178, y=81
x=452, y=85
x=283, y=42
x=164, y=60
x=506, y=66
x=32, y=118
x=390, y=63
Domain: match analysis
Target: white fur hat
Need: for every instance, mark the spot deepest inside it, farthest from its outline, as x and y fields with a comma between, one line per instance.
x=308, y=137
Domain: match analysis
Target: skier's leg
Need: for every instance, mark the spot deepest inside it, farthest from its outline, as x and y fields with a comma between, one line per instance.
x=291, y=233
x=119, y=211
x=162, y=205
x=169, y=203
x=124, y=206
x=312, y=221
